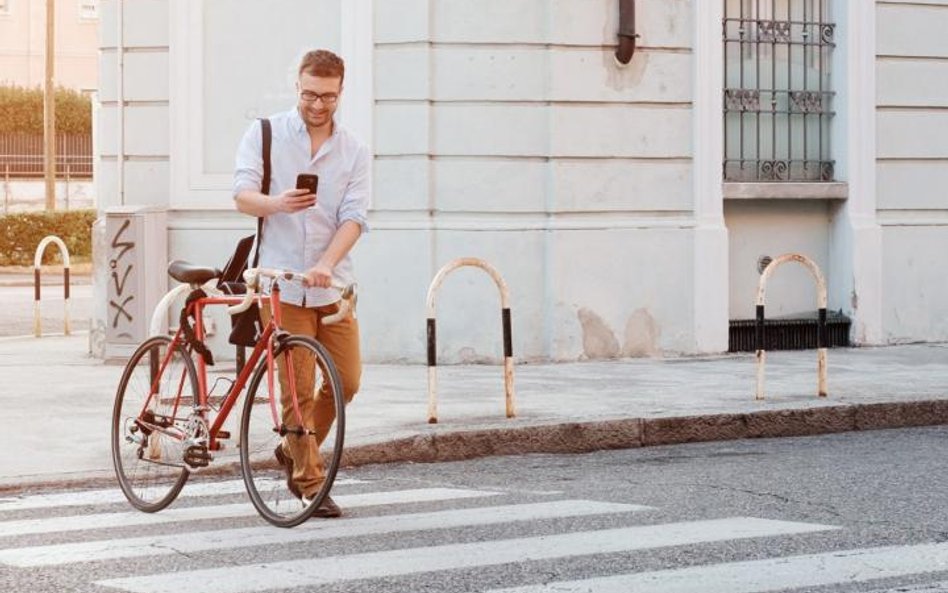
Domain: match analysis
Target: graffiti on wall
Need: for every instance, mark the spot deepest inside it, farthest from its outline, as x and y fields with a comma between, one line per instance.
x=120, y=290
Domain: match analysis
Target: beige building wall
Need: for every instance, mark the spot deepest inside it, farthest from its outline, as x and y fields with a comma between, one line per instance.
x=505, y=131
x=912, y=120
x=23, y=43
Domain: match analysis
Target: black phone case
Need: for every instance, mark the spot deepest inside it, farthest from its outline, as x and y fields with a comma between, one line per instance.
x=307, y=181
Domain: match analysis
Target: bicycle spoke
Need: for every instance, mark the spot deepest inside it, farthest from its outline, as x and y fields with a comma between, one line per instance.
x=147, y=439
x=265, y=478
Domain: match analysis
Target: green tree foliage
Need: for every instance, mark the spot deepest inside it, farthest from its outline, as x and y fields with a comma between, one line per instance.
x=20, y=234
x=21, y=111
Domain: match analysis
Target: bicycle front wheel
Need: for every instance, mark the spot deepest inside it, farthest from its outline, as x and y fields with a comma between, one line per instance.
x=264, y=428
x=148, y=422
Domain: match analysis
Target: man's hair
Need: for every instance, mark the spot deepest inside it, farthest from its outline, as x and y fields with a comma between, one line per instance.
x=323, y=63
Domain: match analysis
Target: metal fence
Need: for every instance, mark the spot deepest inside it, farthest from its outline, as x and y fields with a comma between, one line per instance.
x=21, y=156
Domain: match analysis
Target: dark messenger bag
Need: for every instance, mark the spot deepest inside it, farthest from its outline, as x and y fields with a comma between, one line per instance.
x=246, y=327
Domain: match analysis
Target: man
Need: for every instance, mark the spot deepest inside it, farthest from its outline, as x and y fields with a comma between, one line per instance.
x=312, y=233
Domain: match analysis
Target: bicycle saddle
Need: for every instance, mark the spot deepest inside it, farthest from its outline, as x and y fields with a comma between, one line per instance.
x=182, y=271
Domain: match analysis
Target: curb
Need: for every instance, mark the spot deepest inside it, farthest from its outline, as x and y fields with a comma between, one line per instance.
x=587, y=437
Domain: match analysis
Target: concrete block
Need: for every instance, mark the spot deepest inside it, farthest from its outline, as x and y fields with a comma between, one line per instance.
x=146, y=183
x=146, y=130
x=660, y=23
x=490, y=129
x=917, y=83
x=590, y=74
x=619, y=290
x=108, y=75
x=108, y=26
x=405, y=21
x=912, y=134
x=669, y=431
x=490, y=185
x=401, y=183
x=785, y=423
x=915, y=300
x=107, y=130
x=901, y=414
x=106, y=184
x=490, y=73
x=402, y=129
x=617, y=184
x=402, y=73
x=146, y=76
x=907, y=185
x=146, y=23
x=911, y=30
x=489, y=21
x=620, y=131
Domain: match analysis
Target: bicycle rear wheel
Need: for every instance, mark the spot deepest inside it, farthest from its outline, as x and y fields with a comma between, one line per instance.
x=260, y=431
x=147, y=433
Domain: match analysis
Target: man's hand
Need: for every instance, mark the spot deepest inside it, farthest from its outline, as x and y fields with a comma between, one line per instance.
x=319, y=275
x=294, y=200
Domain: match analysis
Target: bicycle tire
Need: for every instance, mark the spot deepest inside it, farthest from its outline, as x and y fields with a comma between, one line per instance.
x=264, y=478
x=149, y=467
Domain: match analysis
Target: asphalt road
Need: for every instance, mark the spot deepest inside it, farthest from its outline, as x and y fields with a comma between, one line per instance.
x=860, y=511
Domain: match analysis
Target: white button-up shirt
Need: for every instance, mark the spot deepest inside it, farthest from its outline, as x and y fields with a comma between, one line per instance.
x=296, y=241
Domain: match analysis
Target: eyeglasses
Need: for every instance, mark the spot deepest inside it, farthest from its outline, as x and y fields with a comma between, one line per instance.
x=327, y=98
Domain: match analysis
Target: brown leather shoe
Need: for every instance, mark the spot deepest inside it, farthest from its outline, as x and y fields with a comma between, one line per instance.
x=287, y=463
x=327, y=510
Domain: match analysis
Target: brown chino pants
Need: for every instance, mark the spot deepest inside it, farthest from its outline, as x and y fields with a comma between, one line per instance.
x=341, y=339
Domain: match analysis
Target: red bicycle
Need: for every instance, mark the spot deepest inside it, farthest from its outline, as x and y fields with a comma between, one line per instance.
x=165, y=424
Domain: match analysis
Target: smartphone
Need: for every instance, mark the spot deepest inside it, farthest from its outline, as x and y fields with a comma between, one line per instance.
x=308, y=182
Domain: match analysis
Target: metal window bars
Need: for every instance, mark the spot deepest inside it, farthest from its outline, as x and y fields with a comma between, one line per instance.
x=777, y=93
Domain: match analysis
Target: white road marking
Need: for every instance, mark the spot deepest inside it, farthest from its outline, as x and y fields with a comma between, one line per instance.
x=772, y=574
x=187, y=543
x=126, y=519
x=114, y=495
x=317, y=571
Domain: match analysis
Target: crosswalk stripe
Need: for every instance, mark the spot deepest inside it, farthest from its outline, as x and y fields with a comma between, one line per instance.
x=938, y=587
x=264, y=536
x=125, y=519
x=772, y=574
x=113, y=495
x=316, y=571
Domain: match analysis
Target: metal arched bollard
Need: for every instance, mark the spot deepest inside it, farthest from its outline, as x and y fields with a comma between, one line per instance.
x=821, y=337
x=37, y=260
x=432, y=344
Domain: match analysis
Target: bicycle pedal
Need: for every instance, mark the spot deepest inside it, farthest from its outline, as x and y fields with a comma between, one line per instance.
x=197, y=456
x=223, y=434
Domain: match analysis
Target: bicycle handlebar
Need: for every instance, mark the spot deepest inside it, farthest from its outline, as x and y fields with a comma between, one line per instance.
x=252, y=276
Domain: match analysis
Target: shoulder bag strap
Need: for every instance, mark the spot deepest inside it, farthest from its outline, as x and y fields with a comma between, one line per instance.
x=265, y=185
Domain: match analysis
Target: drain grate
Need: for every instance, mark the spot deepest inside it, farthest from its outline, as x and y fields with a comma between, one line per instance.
x=788, y=334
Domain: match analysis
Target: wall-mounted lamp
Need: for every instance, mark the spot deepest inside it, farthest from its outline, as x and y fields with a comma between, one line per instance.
x=627, y=34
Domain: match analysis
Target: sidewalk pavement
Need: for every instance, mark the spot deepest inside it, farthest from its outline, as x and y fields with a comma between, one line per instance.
x=56, y=405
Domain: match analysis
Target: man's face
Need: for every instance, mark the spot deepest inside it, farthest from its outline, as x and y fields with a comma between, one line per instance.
x=318, y=98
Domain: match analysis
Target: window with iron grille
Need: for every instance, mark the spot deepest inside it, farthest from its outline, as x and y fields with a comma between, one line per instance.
x=778, y=98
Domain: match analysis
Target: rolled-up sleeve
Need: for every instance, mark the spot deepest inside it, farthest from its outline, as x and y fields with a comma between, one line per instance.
x=248, y=166
x=358, y=198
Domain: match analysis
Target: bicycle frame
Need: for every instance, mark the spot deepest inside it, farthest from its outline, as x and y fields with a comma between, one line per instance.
x=263, y=345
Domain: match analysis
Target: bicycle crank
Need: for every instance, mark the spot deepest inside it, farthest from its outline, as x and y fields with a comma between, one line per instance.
x=197, y=456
